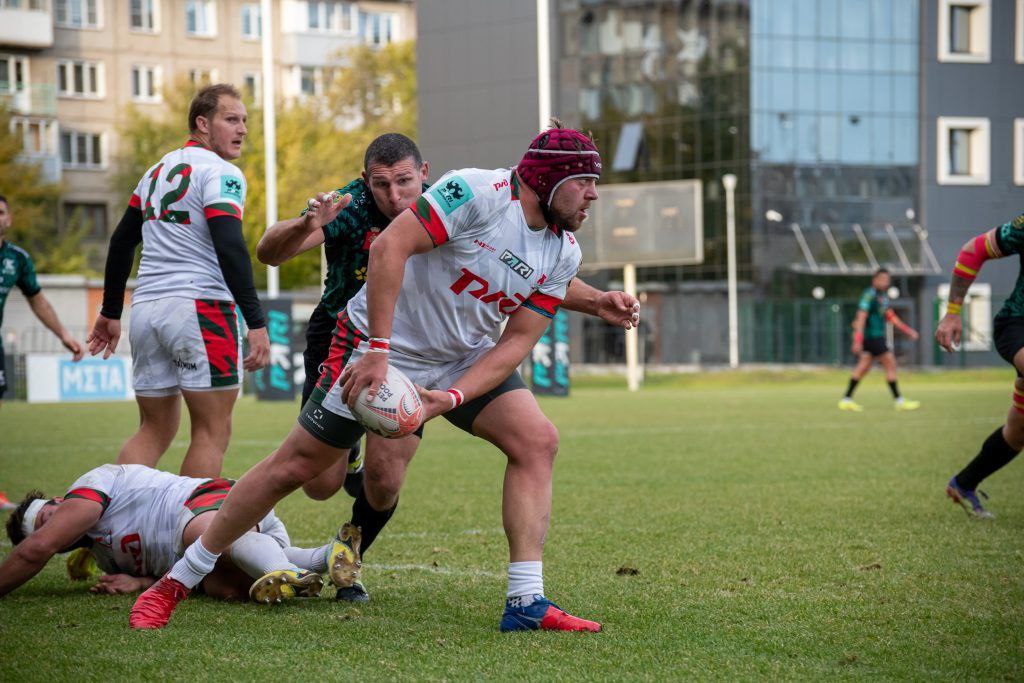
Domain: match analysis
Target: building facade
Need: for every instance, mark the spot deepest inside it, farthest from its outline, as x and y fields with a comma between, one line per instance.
x=69, y=69
x=863, y=133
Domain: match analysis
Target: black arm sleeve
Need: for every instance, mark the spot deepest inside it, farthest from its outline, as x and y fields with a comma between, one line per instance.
x=235, y=264
x=120, y=255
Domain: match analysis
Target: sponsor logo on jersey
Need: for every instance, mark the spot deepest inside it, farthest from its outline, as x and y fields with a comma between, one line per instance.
x=498, y=186
x=231, y=188
x=484, y=245
x=518, y=265
x=8, y=266
x=184, y=364
x=481, y=291
x=452, y=194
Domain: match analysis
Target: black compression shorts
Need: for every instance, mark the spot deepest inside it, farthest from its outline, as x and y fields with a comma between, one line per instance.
x=1008, y=334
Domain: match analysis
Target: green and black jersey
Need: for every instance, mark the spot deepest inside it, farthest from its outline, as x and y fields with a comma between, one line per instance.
x=16, y=269
x=347, y=241
x=875, y=304
x=1010, y=239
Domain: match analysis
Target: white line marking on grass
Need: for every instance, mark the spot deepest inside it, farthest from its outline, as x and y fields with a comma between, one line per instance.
x=448, y=571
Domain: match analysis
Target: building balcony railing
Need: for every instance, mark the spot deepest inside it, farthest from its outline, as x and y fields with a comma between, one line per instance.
x=39, y=99
x=26, y=23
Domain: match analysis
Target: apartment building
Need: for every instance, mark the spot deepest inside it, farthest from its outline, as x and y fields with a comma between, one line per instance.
x=70, y=68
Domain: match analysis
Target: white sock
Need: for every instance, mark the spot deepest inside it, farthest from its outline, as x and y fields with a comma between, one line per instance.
x=314, y=559
x=257, y=554
x=525, y=579
x=194, y=565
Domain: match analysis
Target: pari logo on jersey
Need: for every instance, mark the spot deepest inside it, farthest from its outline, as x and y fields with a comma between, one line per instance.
x=482, y=292
x=452, y=194
x=518, y=265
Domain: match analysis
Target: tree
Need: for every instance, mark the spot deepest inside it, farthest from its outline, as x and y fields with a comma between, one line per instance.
x=35, y=204
x=320, y=141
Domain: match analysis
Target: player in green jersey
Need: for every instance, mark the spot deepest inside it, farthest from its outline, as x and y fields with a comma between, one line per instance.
x=17, y=269
x=869, y=343
x=1003, y=444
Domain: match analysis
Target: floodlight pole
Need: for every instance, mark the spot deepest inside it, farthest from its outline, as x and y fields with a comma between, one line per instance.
x=632, y=334
x=729, y=182
x=269, y=131
x=543, y=64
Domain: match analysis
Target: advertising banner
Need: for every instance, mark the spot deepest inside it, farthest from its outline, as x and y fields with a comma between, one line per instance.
x=54, y=378
x=276, y=381
x=551, y=358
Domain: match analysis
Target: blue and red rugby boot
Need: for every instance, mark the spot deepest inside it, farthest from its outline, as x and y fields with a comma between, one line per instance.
x=963, y=497
x=542, y=614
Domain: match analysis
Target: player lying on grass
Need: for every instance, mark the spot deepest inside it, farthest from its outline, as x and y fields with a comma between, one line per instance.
x=479, y=248
x=1007, y=440
x=137, y=521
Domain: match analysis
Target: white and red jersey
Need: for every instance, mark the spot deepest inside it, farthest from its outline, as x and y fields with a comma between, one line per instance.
x=487, y=263
x=176, y=197
x=141, y=509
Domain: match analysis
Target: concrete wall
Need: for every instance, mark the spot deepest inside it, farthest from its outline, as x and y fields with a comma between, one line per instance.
x=477, y=72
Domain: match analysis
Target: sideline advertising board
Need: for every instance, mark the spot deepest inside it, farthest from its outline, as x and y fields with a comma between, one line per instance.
x=53, y=378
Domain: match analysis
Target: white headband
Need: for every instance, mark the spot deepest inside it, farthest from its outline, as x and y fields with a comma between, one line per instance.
x=28, y=522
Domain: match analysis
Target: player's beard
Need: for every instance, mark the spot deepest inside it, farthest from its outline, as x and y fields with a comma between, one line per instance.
x=565, y=221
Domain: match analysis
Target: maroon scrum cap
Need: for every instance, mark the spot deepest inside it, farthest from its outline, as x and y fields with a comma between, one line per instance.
x=556, y=155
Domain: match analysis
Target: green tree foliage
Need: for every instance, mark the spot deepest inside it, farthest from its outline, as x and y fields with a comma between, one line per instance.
x=320, y=141
x=35, y=206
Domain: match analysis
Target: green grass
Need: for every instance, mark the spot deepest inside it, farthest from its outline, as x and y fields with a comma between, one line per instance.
x=773, y=535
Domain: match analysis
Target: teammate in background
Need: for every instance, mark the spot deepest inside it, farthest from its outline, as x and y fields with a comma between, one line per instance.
x=346, y=222
x=869, y=341
x=137, y=521
x=480, y=247
x=185, y=339
x=1006, y=441
x=395, y=176
x=16, y=268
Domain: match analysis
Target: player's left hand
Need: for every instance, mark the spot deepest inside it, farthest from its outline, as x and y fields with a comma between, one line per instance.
x=619, y=309
x=259, y=350
x=114, y=584
x=949, y=331
x=106, y=332
x=72, y=345
x=914, y=336
x=435, y=402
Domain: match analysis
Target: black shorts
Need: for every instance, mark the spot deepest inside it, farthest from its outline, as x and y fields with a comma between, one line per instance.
x=318, y=344
x=3, y=373
x=876, y=347
x=341, y=432
x=1008, y=334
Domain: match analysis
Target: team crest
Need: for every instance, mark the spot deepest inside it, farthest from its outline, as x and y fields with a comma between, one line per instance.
x=371, y=235
x=231, y=188
x=452, y=194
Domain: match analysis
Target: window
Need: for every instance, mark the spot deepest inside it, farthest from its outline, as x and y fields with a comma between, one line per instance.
x=81, y=150
x=200, y=77
x=964, y=31
x=200, y=18
x=252, y=21
x=329, y=17
x=93, y=217
x=13, y=73
x=1019, y=37
x=251, y=85
x=1018, y=151
x=146, y=83
x=144, y=15
x=37, y=135
x=77, y=13
x=379, y=29
x=308, y=81
x=80, y=79
x=963, y=151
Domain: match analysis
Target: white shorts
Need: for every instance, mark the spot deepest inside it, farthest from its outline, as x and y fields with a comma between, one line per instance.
x=182, y=343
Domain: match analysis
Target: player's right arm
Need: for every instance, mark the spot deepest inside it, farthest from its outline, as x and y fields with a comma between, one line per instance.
x=106, y=331
x=286, y=239
x=1005, y=240
x=404, y=237
x=69, y=523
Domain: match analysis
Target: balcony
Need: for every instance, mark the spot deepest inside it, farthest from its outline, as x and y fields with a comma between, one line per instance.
x=26, y=24
x=37, y=99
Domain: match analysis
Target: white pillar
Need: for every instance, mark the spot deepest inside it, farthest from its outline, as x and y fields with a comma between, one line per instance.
x=269, y=131
x=543, y=64
x=729, y=181
x=632, y=335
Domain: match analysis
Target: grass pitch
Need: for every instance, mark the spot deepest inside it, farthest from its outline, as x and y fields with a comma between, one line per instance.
x=771, y=536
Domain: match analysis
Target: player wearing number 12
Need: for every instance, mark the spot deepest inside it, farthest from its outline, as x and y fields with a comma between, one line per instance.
x=187, y=213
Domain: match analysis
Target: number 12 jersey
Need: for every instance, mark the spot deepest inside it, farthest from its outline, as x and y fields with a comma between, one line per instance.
x=177, y=197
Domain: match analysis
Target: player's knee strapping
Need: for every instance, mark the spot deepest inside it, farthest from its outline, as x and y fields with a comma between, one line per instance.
x=1018, y=400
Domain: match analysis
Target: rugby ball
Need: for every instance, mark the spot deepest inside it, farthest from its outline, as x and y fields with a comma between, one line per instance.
x=395, y=411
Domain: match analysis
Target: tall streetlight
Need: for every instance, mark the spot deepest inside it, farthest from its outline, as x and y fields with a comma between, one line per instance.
x=729, y=182
x=269, y=131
